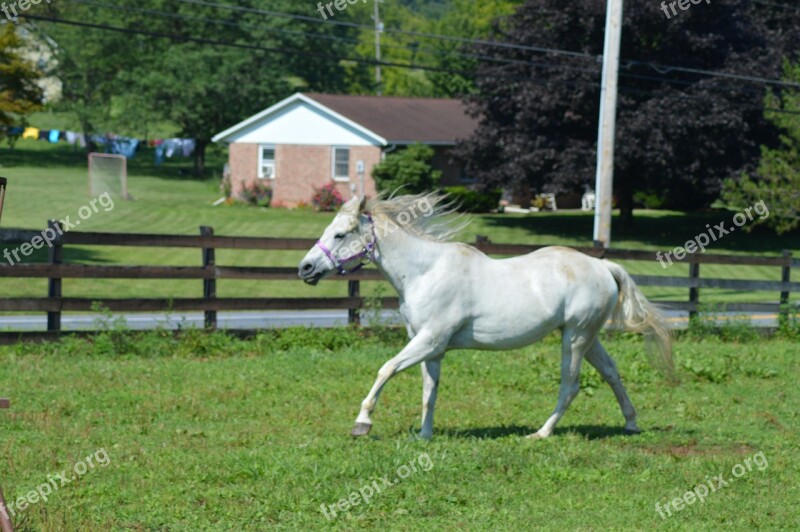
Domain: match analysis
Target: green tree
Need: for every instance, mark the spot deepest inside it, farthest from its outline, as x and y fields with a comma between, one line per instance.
x=408, y=168
x=777, y=180
x=199, y=70
x=19, y=93
x=457, y=61
x=471, y=19
x=91, y=63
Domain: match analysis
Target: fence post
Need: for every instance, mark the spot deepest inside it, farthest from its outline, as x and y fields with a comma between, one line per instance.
x=694, y=292
x=54, y=256
x=786, y=277
x=5, y=520
x=354, y=314
x=209, y=285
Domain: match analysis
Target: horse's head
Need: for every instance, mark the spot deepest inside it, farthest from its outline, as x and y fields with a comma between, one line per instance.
x=340, y=245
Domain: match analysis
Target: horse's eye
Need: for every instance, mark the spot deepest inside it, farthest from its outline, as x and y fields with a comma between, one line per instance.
x=338, y=236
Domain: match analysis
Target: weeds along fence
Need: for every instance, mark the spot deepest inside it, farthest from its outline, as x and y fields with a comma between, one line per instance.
x=208, y=272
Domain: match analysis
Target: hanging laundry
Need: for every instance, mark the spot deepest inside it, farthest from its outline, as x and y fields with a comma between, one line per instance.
x=53, y=136
x=123, y=146
x=44, y=134
x=71, y=137
x=187, y=147
x=81, y=140
x=31, y=133
x=98, y=140
x=159, y=154
x=15, y=131
x=172, y=145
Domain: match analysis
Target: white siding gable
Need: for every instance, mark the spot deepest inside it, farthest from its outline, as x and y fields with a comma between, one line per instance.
x=302, y=123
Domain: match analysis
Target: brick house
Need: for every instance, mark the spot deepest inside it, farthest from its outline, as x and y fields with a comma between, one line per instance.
x=309, y=140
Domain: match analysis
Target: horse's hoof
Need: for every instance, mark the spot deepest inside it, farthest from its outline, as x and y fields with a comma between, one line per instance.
x=535, y=436
x=361, y=429
x=633, y=431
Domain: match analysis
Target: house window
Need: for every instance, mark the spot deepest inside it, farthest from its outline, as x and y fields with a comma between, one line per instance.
x=464, y=177
x=341, y=164
x=266, y=162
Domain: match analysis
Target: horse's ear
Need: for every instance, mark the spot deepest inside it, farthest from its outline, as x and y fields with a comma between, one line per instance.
x=351, y=206
x=363, y=204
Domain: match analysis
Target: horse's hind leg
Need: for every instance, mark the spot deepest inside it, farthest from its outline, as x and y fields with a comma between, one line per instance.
x=431, y=369
x=599, y=358
x=573, y=346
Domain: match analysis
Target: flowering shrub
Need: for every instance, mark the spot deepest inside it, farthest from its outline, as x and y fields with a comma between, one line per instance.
x=327, y=198
x=257, y=193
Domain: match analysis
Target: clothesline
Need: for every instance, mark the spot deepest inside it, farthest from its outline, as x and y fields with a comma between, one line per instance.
x=110, y=143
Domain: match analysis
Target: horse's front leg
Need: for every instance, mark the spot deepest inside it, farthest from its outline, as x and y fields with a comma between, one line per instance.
x=424, y=346
x=431, y=369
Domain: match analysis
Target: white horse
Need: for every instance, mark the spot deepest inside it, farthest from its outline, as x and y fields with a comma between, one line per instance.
x=453, y=296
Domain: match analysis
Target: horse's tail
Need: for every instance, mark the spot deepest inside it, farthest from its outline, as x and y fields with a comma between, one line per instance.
x=636, y=314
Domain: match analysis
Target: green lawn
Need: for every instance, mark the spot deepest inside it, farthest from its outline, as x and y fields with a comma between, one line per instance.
x=50, y=181
x=212, y=433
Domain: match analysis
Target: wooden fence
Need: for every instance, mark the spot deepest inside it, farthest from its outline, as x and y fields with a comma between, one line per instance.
x=207, y=271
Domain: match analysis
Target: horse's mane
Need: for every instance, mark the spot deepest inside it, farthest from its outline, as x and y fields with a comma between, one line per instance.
x=427, y=215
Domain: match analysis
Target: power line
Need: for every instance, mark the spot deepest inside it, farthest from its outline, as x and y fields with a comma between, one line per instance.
x=584, y=55
x=304, y=53
x=658, y=68
x=666, y=69
x=323, y=36
x=179, y=16
x=331, y=37
x=462, y=40
x=284, y=51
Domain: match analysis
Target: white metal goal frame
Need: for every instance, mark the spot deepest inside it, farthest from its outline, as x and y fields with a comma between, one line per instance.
x=123, y=176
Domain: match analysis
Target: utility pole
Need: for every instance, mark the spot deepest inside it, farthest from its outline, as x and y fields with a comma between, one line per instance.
x=378, y=30
x=606, y=129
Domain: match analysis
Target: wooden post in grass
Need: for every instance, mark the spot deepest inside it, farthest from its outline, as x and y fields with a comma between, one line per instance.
x=54, y=256
x=786, y=277
x=5, y=519
x=694, y=292
x=353, y=313
x=209, y=285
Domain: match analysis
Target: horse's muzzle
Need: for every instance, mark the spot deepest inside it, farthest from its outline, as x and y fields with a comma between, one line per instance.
x=313, y=280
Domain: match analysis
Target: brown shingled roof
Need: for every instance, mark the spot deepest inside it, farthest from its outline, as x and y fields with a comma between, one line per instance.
x=404, y=120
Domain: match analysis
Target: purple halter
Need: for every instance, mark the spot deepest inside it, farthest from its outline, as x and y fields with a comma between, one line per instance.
x=368, y=252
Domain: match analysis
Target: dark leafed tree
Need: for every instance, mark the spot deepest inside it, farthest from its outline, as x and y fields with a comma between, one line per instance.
x=679, y=133
x=198, y=68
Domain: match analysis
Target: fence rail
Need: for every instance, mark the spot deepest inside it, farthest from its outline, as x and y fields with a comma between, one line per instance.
x=56, y=271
